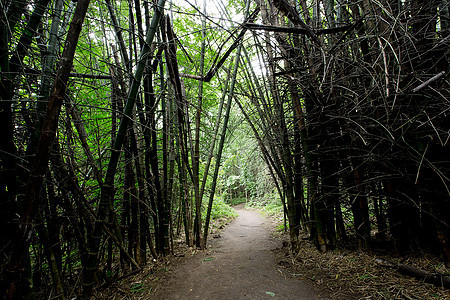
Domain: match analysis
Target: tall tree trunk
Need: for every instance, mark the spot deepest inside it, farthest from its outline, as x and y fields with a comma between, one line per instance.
x=196, y=152
x=222, y=137
x=285, y=151
x=360, y=209
x=149, y=102
x=51, y=243
x=106, y=199
x=172, y=66
x=9, y=277
x=16, y=286
x=119, y=36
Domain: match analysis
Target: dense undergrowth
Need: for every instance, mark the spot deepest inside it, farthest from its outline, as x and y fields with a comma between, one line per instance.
x=220, y=210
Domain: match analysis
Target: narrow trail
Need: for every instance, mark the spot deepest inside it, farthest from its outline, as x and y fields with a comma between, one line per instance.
x=241, y=265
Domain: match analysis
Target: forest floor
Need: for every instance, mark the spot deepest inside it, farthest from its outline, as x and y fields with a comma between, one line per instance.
x=241, y=264
x=249, y=259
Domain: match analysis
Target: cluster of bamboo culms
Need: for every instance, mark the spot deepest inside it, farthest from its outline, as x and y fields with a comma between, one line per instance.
x=349, y=106
x=353, y=119
x=93, y=188
x=53, y=221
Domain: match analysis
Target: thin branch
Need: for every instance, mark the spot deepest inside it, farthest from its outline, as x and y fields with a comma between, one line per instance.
x=297, y=30
x=429, y=81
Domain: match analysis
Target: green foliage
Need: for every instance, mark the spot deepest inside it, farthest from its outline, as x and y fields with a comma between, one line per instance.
x=220, y=209
x=236, y=200
x=137, y=286
x=243, y=173
x=270, y=204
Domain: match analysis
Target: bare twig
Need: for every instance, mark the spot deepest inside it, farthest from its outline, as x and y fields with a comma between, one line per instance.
x=429, y=81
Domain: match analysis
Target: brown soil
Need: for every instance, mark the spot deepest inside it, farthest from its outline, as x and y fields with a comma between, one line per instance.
x=241, y=264
x=247, y=261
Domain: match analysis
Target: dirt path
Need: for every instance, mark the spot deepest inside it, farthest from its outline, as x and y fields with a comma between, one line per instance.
x=241, y=265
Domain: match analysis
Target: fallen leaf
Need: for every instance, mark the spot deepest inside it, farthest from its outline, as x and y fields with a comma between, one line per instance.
x=208, y=259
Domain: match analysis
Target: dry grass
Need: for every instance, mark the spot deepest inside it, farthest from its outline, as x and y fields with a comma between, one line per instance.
x=357, y=275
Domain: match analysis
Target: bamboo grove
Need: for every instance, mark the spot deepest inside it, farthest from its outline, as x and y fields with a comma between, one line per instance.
x=114, y=118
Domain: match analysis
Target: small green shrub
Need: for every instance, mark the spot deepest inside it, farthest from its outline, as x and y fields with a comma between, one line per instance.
x=221, y=209
x=280, y=226
x=274, y=207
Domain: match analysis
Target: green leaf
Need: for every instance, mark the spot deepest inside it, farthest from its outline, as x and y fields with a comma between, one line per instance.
x=208, y=259
x=137, y=286
x=270, y=294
